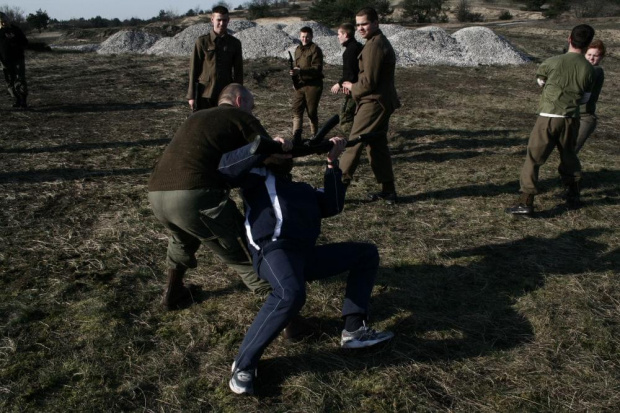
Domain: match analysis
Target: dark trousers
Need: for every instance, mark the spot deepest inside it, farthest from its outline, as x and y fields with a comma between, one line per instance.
x=287, y=270
x=587, y=125
x=15, y=77
x=547, y=134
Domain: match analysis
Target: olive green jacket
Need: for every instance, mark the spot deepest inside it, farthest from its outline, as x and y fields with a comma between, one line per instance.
x=216, y=62
x=375, y=81
x=309, y=60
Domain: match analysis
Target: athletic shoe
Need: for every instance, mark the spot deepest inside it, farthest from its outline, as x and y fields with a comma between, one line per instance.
x=242, y=381
x=520, y=209
x=363, y=337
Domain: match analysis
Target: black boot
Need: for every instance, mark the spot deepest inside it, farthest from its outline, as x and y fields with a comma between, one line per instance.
x=573, y=198
x=176, y=294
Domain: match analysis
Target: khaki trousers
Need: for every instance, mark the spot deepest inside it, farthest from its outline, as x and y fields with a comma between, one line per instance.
x=549, y=133
x=370, y=117
x=307, y=98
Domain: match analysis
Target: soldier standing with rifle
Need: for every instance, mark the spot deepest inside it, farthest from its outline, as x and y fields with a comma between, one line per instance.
x=308, y=73
x=217, y=60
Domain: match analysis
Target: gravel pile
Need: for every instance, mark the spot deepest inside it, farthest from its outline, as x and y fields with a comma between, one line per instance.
x=428, y=46
x=317, y=29
x=182, y=44
x=128, y=42
x=261, y=41
x=483, y=47
x=91, y=47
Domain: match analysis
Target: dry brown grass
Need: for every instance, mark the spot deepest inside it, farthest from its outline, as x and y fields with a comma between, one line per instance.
x=491, y=313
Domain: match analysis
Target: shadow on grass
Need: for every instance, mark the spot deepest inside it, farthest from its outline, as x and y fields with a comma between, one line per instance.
x=75, y=147
x=67, y=174
x=457, y=311
x=106, y=107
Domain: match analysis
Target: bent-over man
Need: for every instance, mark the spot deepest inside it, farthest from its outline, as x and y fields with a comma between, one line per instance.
x=192, y=200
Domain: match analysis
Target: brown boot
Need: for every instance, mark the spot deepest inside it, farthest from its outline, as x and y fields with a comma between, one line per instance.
x=524, y=206
x=176, y=294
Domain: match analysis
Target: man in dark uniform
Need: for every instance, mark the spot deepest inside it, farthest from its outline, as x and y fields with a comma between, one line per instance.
x=350, y=70
x=217, y=61
x=192, y=201
x=309, y=70
x=12, y=46
x=376, y=99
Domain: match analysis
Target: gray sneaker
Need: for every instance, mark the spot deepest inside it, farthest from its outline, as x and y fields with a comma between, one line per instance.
x=242, y=381
x=363, y=337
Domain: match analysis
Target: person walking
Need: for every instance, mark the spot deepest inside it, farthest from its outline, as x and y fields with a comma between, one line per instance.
x=308, y=68
x=13, y=44
x=376, y=99
x=350, y=70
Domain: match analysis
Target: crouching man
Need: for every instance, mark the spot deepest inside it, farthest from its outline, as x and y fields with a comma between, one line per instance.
x=283, y=222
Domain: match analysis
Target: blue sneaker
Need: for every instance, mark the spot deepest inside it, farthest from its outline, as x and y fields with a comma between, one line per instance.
x=364, y=337
x=242, y=381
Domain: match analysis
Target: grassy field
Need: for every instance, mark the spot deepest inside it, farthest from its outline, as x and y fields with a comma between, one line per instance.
x=491, y=313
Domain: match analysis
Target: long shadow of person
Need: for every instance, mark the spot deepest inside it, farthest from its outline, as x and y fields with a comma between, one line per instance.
x=457, y=311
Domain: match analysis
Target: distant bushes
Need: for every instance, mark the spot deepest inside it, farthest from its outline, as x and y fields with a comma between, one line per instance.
x=464, y=14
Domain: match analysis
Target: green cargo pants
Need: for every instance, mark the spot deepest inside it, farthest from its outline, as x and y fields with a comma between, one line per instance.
x=209, y=217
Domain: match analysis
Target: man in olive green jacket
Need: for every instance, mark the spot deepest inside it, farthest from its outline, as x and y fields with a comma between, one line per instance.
x=309, y=71
x=376, y=98
x=217, y=60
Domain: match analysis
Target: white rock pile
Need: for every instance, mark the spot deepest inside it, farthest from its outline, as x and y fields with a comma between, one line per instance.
x=425, y=46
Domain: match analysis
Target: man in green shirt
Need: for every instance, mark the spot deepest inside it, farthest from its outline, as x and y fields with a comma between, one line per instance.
x=567, y=82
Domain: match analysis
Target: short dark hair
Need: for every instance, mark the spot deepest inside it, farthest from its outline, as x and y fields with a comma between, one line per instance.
x=219, y=9
x=370, y=13
x=306, y=29
x=581, y=36
x=348, y=28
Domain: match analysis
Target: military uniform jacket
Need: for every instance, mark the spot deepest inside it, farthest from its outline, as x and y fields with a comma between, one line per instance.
x=377, y=64
x=216, y=62
x=12, y=45
x=191, y=159
x=309, y=60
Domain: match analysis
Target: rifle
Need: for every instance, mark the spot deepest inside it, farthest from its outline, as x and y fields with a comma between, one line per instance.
x=315, y=146
x=196, y=96
x=294, y=78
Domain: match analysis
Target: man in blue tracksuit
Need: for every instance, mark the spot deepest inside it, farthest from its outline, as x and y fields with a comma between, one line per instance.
x=283, y=222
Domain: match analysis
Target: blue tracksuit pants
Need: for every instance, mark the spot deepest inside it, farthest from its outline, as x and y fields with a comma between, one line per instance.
x=288, y=270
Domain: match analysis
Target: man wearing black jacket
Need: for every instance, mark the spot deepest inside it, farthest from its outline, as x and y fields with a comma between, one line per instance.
x=350, y=70
x=12, y=46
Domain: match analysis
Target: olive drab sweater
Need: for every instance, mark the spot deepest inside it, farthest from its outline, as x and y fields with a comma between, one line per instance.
x=191, y=159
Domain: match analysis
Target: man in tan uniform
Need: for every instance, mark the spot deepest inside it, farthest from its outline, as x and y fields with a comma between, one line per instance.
x=217, y=61
x=309, y=71
x=376, y=99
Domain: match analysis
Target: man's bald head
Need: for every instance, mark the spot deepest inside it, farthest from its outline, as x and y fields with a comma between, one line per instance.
x=238, y=96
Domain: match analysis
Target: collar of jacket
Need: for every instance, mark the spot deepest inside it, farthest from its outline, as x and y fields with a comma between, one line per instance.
x=375, y=34
x=214, y=36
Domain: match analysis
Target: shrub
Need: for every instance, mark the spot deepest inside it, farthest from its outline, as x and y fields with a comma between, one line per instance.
x=424, y=11
x=464, y=14
x=335, y=12
x=505, y=15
